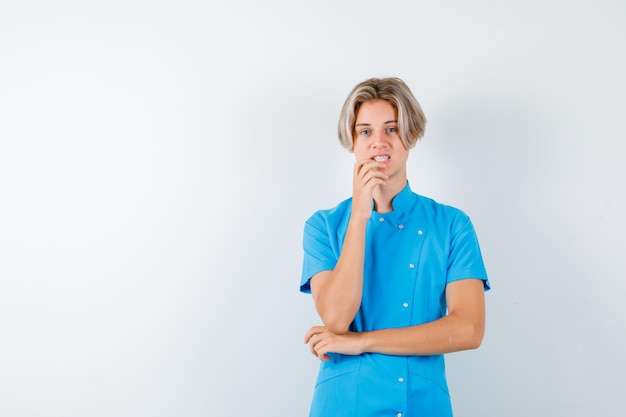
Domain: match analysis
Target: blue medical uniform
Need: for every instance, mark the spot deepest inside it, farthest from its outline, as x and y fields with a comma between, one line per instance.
x=411, y=254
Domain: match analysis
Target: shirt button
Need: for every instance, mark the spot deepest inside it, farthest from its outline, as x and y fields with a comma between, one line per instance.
x=405, y=305
x=419, y=232
x=400, y=226
x=381, y=219
x=411, y=266
x=400, y=379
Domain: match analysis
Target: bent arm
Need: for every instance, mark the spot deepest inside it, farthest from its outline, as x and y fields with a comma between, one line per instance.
x=463, y=328
x=337, y=294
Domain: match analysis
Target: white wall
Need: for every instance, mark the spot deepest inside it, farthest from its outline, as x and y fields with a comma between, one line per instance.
x=158, y=160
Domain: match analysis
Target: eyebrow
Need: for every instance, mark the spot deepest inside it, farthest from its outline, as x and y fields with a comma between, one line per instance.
x=368, y=124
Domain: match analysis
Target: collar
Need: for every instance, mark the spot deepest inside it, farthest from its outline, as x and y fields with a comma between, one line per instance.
x=402, y=201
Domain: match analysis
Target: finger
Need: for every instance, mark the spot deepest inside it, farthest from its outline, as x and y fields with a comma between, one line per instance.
x=371, y=181
x=312, y=349
x=320, y=349
x=313, y=340
x=378, y=175
x=366, y=165
x=313, y=330
x=363, y=168
x=316, y=344
x=362, y=162
x=369, y=171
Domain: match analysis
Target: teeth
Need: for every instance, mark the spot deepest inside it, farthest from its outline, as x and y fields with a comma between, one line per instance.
x=381, y=158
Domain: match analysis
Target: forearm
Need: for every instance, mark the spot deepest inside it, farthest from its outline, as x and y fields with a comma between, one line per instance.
x=451, y=333
x=338, y=295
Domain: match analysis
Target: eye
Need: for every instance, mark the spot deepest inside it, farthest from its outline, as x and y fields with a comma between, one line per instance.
x=364, y=132
x=392, y=129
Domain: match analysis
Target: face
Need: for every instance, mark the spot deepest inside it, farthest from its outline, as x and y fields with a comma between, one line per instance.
x=376, y=136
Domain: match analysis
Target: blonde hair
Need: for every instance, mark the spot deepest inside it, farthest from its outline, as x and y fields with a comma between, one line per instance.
x=411, y=119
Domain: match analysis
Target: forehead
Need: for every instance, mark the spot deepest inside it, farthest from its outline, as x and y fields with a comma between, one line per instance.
x=375, y=110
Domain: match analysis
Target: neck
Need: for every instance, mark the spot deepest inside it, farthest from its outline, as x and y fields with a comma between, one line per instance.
x=383, y=195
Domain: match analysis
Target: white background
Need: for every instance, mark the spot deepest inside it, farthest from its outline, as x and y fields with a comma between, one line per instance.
x=158, y=160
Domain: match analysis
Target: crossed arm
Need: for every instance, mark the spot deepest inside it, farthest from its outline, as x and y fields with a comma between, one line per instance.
x=461, y=329
x=337, y=295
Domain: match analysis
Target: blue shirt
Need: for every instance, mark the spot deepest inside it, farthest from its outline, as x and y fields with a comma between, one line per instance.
x=411, y=254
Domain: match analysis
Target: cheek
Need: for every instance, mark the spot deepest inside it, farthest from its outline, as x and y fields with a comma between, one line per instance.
x=358, y=152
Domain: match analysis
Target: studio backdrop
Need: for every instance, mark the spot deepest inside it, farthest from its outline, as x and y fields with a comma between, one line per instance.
x=158, y=160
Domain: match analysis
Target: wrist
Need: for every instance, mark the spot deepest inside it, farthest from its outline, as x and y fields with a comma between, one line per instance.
x=358, y=221
x=365, y=342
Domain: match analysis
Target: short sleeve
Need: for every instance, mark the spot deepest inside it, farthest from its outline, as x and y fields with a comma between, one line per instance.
x=318, y=251
x=465, y=259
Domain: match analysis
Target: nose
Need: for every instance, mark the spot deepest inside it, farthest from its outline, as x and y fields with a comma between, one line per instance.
x=379, y=139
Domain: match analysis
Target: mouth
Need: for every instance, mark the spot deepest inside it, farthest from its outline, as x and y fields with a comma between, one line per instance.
x=381, y=158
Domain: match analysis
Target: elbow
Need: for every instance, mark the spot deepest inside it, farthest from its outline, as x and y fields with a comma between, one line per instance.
x=475, y=337
x=337, y=321
x=337, y=325
x=468, y=332
x=468, y=335
x=474, y=342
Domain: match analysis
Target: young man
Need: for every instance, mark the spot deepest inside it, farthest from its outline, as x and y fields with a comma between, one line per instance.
x=397, y=278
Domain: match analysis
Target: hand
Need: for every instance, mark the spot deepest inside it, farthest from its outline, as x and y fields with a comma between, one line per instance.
x=368, y=175
x=322, y=341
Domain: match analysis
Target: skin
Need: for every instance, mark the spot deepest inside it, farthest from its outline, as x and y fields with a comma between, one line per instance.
x=337, y=293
